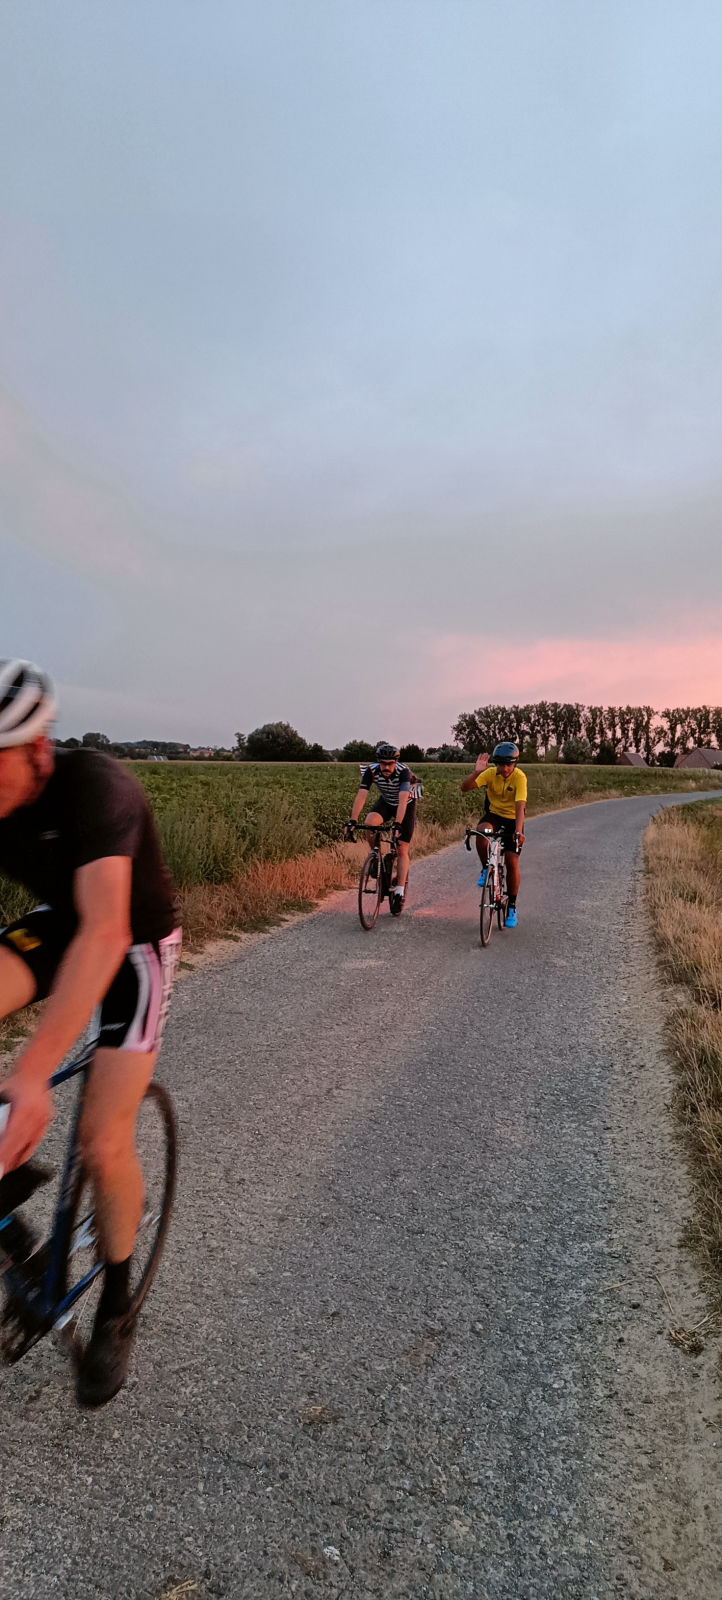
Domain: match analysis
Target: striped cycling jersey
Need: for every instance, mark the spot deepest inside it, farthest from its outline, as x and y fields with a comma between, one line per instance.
x=400, y=781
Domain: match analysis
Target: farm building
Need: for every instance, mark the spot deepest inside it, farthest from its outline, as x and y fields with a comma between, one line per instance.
x=631, y=758
x=700, y=758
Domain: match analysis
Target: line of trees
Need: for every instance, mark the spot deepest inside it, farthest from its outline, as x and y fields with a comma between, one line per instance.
x=599, y=733
x=544, y=730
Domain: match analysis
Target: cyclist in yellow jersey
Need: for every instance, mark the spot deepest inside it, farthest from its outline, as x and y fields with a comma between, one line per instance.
x=505, y=792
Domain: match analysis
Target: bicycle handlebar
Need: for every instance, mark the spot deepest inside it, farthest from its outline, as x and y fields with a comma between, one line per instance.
x=373, y=827
x=489, y=833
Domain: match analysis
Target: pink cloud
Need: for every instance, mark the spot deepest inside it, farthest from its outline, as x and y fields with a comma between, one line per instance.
x=639, y=670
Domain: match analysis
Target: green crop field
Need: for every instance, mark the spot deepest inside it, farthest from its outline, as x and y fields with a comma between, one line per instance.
x=215, y=819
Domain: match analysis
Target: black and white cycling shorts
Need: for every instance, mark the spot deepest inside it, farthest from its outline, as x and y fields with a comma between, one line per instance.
x=382, y=808
x=133, y=1014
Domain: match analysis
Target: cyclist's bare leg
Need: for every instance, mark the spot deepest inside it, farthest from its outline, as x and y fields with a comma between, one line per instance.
x=373, y=820
x=402, y=864
x=17, y=984
x=117, y=1082
x=512, y=873
x=482, y=845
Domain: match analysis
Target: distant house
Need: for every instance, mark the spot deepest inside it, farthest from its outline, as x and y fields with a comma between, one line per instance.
x=631, y=758
x=700, y=758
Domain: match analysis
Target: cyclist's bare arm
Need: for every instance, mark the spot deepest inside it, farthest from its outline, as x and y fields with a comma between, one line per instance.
x=404, y=796
x=520, y=810
x=482, y=763
x=359, y=804
x=102, y=900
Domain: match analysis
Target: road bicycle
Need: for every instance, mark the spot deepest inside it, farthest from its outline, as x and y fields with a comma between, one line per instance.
x=494, y=895
x=52, y=1286
x=378, y=873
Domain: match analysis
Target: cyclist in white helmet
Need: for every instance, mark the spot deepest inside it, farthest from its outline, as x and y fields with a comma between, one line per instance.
x=76, y=830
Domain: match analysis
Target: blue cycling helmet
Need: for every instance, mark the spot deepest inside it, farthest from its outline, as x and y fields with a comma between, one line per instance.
x=386, y=752
x=506, y=751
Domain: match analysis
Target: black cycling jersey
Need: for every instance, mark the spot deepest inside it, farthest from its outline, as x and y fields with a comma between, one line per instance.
x=400, y=781
x=91, y=807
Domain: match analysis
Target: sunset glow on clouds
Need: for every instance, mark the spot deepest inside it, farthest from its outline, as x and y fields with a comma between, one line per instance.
x=641, y=670
x=408, y=333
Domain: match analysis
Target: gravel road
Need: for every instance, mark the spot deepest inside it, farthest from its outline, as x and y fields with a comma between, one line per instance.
x=411, y=1333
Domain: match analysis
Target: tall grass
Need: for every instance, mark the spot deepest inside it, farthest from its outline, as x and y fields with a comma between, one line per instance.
x=684, y=861
x=214, y=821
x=219, y=824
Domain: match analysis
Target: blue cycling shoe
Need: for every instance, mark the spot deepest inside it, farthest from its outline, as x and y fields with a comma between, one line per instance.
x=511, y=917
x=481, y=880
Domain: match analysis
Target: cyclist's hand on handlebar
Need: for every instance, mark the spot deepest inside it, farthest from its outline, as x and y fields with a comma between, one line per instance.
x=31, y=1112
x=349, y=831
x=519, y=840
x=396, y=832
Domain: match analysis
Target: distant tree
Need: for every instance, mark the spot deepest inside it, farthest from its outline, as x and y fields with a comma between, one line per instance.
x=529, y=752
x=95, y=741
x=543, y=726
x=576, y=751
x=240, y=751
x=606, y=755
x=593, y=725
x=482, y=729
x=411, y=752
x=68, y=744
x=357, y=750
x=675, y=720
x=450, y=752
x=700, y=718
x=316, y=752
x=276, y=741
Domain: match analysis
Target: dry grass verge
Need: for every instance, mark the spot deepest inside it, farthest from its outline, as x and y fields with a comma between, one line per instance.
x=684, y=861
x=261, y=897
x=267, y=891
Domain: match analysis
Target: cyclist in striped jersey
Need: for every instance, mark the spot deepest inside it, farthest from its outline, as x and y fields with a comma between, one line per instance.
x=398, y=789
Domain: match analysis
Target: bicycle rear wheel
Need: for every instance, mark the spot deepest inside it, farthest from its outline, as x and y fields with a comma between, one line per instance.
x=487, y=908
x=156, y=1144
x=370, y=891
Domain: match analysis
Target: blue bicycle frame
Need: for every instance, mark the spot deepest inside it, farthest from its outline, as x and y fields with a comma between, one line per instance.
x=38, y=1299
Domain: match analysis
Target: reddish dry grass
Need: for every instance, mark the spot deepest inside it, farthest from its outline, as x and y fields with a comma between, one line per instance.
x=685, y=892
x=269, y=890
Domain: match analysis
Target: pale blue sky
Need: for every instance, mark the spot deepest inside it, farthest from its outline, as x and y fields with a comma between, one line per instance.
x=280, y=283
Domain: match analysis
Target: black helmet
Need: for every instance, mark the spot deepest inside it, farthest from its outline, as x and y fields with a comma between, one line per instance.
x=506, y=751
x=386, y=752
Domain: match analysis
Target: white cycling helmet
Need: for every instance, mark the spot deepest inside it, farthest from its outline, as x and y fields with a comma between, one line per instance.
x=27, y=702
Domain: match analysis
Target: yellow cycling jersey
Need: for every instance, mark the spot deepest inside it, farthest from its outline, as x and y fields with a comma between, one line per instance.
x=504, y=794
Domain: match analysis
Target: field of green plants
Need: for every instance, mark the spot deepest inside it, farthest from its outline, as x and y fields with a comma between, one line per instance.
x=214, y=820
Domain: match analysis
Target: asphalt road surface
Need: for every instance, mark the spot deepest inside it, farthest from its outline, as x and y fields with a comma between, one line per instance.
x=410, y=1336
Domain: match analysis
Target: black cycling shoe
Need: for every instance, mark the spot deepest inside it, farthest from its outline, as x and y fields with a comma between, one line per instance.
x=104, y=1365
x=396, y=903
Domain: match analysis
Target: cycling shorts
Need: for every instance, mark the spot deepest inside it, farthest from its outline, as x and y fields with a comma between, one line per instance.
x=382, y=808
x=133, y=1014
x=506, y=826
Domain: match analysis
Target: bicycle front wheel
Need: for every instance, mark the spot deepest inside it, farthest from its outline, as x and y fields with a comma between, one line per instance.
x=503, y=900
x=487, y=908
x=370, y=891
x=157, y=1145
